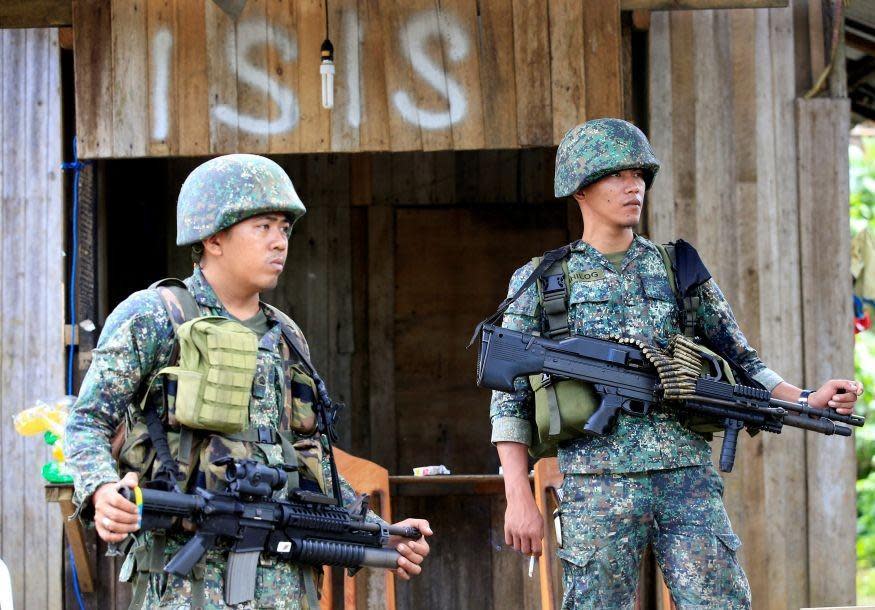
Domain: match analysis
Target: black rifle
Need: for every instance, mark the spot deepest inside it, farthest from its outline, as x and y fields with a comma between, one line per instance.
x=624, y=379
x=308, y=528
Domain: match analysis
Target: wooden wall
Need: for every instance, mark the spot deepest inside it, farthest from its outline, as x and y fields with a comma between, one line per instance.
x=759, y=183
x=31, y=304
x=181, y=77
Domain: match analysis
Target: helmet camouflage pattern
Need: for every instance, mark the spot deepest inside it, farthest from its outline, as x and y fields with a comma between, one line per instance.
x=600, y=147
x=225, y=190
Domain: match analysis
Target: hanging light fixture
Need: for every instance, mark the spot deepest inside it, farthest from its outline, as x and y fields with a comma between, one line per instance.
x=326, y=69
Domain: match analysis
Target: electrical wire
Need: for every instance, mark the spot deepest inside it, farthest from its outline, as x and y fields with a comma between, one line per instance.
x=76, y=166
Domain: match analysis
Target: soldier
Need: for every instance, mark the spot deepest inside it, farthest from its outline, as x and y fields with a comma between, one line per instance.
x=237, y=211
x=651, y=480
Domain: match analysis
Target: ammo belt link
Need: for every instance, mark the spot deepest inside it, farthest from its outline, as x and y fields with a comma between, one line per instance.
x=678, y=367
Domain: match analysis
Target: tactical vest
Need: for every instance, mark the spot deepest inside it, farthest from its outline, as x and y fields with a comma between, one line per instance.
x=563, y=406
x=206, y=392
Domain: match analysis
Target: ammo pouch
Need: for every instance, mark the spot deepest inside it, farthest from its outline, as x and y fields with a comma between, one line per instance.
x=562, y=406
x=214, y=374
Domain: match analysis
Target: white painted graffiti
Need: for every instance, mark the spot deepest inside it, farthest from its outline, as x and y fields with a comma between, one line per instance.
x=161, y=46
x=415, y=37
x=417, y=33
x=251, y=35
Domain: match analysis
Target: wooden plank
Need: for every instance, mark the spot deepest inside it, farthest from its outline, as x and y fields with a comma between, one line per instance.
x=53, y=281
x=828, y=340
x=253, y=122
x=784, y=466
x=345, y=34
x=93, y=77
x=315, y=122
x=222, y=79
x=673, y=5
x=532, y=64
x=683, y=126
x=162, y=74
x=381, y=336
x=283, y=60
x=35, y=13
x=14, y=375
x=602, y=54
x=816, y=37
x=715, y=189
x=129, y=96
x=567, y=66
x=192, y=101
x=375, y=93
x=660, y=199
x=427, y=103
x=497, y=78
x=461, y=58
x=35, y=149
x=404, y=129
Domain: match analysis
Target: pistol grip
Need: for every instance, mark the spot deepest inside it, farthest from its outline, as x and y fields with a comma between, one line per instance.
x=602, y=420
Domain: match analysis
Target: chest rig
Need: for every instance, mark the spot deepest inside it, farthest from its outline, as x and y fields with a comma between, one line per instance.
x=217, y=369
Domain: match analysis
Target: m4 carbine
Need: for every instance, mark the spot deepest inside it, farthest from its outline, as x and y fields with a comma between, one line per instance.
x=308, y=528
x=630, y=376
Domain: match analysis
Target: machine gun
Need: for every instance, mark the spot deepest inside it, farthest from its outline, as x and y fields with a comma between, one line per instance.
x=309, y=528
x=630, y=376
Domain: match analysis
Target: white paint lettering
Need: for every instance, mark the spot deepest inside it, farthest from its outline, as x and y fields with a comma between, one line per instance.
x=251, y=34
x=161, y=46
x=419, y=30
x=351, y=45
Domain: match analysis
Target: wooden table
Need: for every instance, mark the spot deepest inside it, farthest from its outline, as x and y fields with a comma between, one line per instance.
x=63, y=495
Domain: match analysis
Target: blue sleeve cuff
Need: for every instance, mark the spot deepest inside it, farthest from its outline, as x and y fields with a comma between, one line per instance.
x=511, y=429
x=769, y=378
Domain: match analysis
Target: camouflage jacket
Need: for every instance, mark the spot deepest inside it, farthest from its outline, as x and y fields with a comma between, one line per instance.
x=638, y=303
x=135, y=343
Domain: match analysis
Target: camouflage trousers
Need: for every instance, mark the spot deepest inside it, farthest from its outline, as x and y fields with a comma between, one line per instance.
x=609, y=519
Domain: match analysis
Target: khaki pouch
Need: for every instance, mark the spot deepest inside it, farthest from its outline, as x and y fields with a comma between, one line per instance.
x=562, y=408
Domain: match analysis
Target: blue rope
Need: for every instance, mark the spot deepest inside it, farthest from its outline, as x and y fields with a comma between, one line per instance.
x=76, y=166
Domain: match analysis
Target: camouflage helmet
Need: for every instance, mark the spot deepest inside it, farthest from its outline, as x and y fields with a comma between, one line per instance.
x=225, y=190
x=597, y=148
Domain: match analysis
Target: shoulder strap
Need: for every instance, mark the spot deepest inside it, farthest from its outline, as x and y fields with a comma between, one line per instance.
x=546, y=262
x=686, y=273
x=178, y=301
x=553, y=293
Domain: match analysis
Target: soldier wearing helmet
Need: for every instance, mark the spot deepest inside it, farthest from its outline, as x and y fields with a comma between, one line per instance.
x=650, y=481
x=237, y=213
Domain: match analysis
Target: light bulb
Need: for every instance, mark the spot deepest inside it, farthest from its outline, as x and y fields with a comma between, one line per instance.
x=326, y=69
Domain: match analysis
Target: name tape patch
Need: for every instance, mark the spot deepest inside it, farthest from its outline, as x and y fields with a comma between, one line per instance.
x=590, y=275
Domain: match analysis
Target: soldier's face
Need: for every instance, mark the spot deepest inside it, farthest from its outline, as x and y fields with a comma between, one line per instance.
x=616, y=199
x=253, y=251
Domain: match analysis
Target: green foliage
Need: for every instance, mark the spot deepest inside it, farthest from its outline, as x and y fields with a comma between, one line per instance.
x=862, y=176
x=862, y=212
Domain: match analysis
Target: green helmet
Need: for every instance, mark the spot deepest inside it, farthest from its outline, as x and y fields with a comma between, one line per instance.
x=225, y=190
x=600, y=147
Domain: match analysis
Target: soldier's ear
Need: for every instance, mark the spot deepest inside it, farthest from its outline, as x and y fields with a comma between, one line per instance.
x=213, y=244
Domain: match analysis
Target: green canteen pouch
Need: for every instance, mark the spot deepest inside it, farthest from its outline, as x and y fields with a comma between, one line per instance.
x=215, y=370
x=562, y=408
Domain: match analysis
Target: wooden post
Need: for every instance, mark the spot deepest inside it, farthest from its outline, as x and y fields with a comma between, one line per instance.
x=828, y=342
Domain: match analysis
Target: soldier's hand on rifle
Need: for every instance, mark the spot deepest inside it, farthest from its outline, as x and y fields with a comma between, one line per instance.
x=115, y=517
x=413, y=552
x=839, y=394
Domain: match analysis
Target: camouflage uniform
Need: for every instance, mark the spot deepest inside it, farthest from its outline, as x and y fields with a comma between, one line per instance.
x=651, y=479
x=135, y=343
